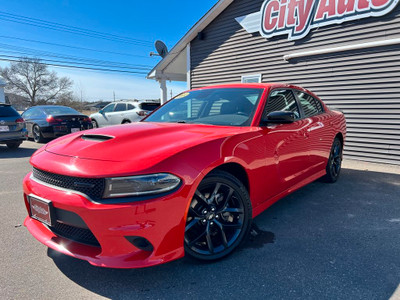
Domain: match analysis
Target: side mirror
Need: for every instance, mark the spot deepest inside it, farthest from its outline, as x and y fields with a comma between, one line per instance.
x=279, y=117
x=101, y=111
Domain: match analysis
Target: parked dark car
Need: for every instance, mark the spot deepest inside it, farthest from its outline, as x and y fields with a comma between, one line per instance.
x=12, y=127
x=52, y=121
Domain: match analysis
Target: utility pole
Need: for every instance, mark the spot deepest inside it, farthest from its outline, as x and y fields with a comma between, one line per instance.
x=114, y=95
x=171, y=93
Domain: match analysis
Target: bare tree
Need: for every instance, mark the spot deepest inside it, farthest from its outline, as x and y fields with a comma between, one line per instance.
x=30, y=78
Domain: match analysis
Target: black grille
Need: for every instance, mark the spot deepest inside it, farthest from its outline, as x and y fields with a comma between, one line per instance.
x=93, y=187
x=80, y=235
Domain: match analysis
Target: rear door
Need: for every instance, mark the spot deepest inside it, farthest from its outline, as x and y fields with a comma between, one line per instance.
x=287, y=144
x=33, y=116
x=319, y=132
x=117, y=116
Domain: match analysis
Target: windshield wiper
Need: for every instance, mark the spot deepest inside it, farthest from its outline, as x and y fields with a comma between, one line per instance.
x=181, y=122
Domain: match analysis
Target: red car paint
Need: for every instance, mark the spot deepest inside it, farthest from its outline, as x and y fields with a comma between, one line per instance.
x=277, y=160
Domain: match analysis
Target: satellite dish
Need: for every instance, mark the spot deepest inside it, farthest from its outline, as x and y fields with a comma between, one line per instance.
x=161, y=48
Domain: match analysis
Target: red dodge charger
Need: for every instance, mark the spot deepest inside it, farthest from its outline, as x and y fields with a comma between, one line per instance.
x=187, y=179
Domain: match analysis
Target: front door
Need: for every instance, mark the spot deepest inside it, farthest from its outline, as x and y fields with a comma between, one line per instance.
x=287, y=143
x=104, y=115
x=320, y=135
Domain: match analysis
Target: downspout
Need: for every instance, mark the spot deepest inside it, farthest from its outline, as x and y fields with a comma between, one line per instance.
x=188, y=68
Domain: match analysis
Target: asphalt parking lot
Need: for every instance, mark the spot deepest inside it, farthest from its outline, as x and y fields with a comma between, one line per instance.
x=326, y=241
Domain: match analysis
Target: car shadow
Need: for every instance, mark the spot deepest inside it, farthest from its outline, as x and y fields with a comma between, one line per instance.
x=21, y=152
x=338, y=241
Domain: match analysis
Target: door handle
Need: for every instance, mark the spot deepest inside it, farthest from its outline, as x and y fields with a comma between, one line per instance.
x=306, y=134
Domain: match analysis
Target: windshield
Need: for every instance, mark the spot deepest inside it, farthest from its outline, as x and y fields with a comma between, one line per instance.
x=60, y=110
x=223, y=106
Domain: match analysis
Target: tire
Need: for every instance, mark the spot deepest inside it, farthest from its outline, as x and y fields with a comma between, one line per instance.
x=14, y=145
x=334, y=165
x=37, y=134
x=95, y=124
x=219, y=217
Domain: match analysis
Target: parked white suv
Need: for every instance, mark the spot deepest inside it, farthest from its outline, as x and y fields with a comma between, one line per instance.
x=122, y=112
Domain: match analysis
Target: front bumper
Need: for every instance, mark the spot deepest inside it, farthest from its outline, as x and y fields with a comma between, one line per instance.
x=160, y=221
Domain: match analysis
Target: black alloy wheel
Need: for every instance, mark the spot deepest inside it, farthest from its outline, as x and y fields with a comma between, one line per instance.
x=219, y=217
x=94, y=123
x=334, y=165
x=37, y=134
x=14, y=145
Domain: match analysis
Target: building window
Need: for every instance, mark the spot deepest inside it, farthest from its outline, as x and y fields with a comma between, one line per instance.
x=251, y=78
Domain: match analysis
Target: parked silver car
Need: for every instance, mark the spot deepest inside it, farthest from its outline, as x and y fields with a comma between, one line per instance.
x=122, y=112
x=12, y=127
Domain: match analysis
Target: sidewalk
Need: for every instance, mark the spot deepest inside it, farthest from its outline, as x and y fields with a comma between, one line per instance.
x=368, y=166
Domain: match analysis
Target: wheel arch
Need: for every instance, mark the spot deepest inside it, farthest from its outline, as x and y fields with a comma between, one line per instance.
x=236, y=170
x=339, y=135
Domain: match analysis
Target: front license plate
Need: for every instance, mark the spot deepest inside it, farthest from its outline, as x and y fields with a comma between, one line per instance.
x=41, y=210
x=75, y=130
x=4, y=128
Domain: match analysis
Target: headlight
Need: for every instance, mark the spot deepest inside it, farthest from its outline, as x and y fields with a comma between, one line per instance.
x=140, y=185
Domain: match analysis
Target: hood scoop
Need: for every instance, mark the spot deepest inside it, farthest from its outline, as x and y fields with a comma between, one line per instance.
x=96, y=137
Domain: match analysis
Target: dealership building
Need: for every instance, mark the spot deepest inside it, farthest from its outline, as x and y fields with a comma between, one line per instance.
x=346, y=51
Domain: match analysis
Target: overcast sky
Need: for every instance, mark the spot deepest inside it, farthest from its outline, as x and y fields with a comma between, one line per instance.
x=142, y=22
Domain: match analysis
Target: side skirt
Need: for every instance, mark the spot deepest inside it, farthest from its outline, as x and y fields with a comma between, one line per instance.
x=263, y=206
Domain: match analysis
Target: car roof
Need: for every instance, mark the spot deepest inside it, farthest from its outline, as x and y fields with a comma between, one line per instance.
x=50, y=106
x=135, y=101
x=271, y=85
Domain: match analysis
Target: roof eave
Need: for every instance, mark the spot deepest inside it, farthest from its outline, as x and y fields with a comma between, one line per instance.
x=218, y=8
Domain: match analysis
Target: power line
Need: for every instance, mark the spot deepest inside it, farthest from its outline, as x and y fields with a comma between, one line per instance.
x=67, y=28
x=79, y=67
x=30, y=51
x=73, y=47
x=71, y=29
x=78, y=63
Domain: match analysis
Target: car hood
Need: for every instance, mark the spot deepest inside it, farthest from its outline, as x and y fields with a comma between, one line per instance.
x=138, y=142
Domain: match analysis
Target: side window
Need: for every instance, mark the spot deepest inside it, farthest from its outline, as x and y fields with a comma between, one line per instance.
x=120, y=107
x=34, y=113
x=310, y=105
x=27, y=114
x=281, y=100
x=130, y=106
x=109, y=108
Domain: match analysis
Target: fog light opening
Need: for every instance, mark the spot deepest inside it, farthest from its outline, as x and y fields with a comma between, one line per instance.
x=140, y=243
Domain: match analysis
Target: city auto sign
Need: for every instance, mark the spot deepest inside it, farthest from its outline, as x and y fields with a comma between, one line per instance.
x=297, y=17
